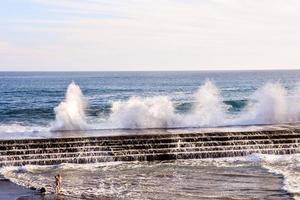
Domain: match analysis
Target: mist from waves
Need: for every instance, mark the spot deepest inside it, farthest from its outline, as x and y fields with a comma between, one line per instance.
x=270, y=104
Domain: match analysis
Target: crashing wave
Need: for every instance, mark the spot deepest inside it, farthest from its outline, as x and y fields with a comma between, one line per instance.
x=70, y=113
x=268, y=105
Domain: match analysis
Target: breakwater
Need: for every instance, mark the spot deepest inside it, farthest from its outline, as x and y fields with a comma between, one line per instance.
x=148, y=147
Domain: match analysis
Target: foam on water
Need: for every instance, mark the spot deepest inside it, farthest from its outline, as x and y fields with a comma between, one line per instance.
x=19, y=128
x=288, y=166
x=270, y=104
x=103, y=178
x=159, y=111
x=137, y=112
x=208, y=109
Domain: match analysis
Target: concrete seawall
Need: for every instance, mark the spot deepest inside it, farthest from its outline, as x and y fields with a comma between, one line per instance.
x=147, y=147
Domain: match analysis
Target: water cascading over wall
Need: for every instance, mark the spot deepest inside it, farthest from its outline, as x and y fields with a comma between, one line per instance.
x=148, y=147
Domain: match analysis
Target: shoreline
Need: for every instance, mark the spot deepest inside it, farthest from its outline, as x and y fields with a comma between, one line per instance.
x=12, y=191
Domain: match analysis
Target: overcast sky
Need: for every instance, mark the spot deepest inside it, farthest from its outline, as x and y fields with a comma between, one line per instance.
x=149, y=34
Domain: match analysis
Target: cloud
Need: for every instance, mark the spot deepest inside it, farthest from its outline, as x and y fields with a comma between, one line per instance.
x=168, y=34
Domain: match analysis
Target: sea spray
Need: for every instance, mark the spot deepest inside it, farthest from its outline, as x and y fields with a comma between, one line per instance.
x=159, y=112
x=288, y=167
x=293, y=109
x=209, y=109
x=150, y=112
x=271, y=104
x=70, y=113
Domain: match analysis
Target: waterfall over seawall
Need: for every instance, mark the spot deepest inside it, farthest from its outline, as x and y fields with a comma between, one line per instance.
x=180, y=144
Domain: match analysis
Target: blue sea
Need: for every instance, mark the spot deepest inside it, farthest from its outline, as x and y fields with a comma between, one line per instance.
x=147, y=99
x=43, y=103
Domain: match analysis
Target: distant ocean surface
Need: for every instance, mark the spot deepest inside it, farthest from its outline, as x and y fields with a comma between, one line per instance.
x=146, y=99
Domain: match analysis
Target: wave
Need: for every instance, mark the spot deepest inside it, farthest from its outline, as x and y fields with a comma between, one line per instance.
x=268, y=105
x=271, y=104
x=160, y=111
x=285, y=165
x=37, y=176
x=140, y=112
x=20, y=128
x=30, y=115
x=236, y=105
x=70, y=113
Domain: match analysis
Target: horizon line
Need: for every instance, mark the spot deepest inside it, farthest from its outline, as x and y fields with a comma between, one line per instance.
x=186, y=70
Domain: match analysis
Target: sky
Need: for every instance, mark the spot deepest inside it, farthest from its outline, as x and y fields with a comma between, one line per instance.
x=45, y=35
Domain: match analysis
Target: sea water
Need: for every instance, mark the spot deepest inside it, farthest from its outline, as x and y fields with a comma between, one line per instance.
x=252, y=177
x=35, y=101
x=42, y=103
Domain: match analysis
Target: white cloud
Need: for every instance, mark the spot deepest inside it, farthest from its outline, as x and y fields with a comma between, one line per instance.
x=168, y=34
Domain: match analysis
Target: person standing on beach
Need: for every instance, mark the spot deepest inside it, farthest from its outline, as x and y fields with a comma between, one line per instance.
x=58, y=181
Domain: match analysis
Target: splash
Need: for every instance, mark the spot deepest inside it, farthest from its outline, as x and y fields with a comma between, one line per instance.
x=159, y=112
x=151, y=112
x=70, y=113
x=37, y=176
x=288, y=167
x=271, y=104
x=208, y=110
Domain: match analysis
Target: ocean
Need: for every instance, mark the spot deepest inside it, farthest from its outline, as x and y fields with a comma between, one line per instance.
x=141, y=99
x=39, y=104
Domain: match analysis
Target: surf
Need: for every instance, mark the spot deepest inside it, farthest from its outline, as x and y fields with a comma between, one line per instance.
x=270, y=104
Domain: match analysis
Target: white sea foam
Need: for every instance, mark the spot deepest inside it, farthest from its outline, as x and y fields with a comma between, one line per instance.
x=137, y=112
x=19, y=128
x=271, y=104
x=286, y=165
x=38, y=176
x=159, y=112
x=208, y=110
x=268, y=105
x=70, y=113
